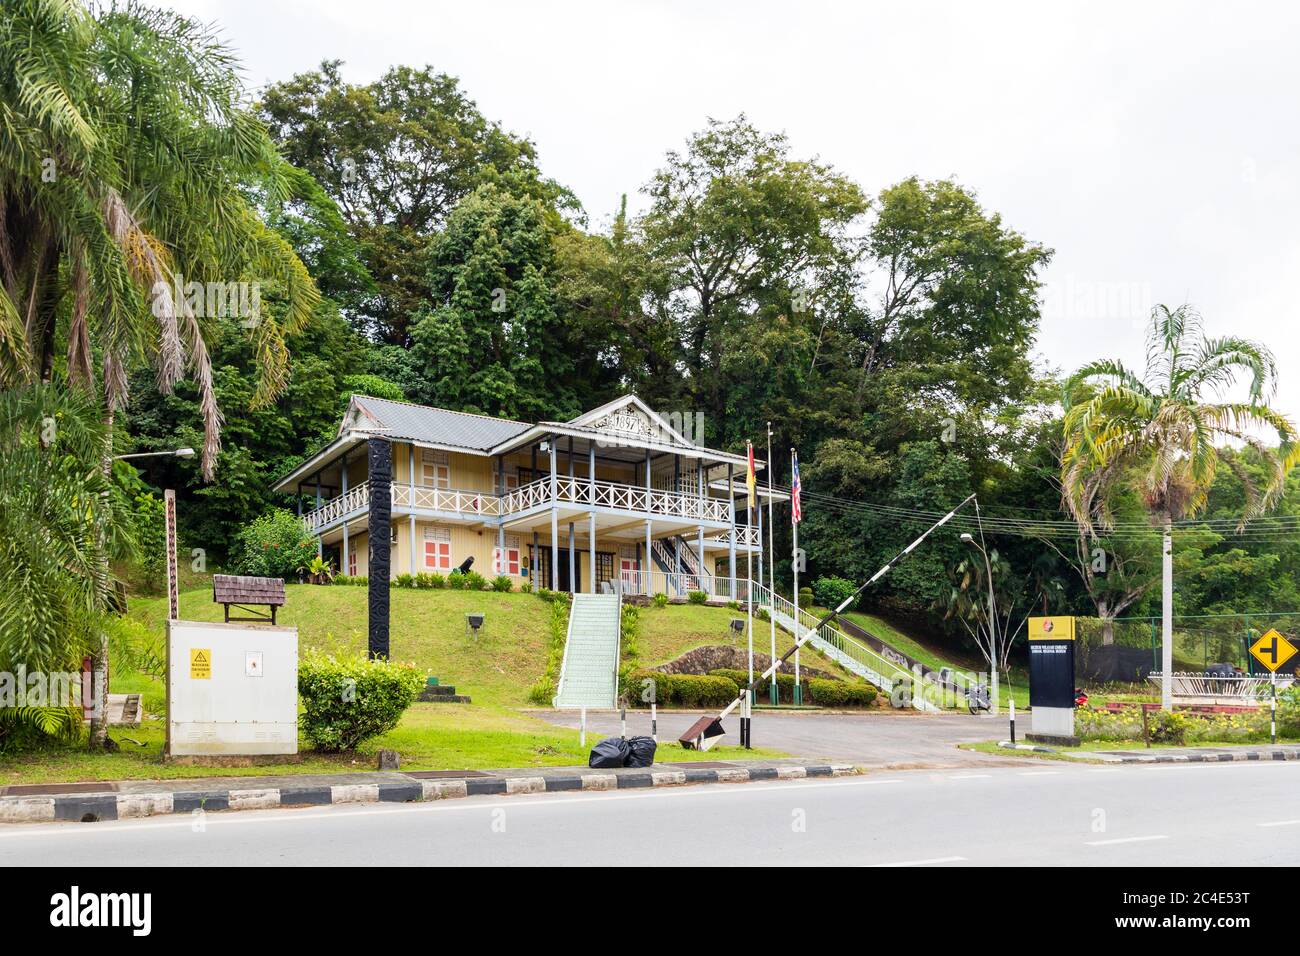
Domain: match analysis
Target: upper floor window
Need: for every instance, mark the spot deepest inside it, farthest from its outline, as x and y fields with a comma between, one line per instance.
x=435, y=468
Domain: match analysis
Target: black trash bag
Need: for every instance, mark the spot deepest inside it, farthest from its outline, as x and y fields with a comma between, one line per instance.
x=641, y=751
x=609, y=754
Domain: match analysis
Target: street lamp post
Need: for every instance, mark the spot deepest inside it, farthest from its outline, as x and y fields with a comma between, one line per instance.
x=173, y=453
x=993, y=621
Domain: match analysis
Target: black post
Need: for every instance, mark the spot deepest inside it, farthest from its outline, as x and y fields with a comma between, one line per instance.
x=381, y=509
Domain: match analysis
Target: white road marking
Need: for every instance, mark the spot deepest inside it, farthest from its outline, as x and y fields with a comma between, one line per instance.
x=929, y=862
x=1279, y=823
x=1141, y=839
x=1040, y=773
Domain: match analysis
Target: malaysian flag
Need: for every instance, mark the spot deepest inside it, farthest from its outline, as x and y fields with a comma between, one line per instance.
x=796, y=506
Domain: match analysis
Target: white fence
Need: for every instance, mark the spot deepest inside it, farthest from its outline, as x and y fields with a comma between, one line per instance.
x=1201, y=688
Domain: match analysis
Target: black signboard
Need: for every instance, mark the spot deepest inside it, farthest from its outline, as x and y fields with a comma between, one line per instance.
x=1051, y=673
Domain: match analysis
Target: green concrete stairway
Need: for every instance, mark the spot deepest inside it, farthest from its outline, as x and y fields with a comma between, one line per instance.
x=589, y=674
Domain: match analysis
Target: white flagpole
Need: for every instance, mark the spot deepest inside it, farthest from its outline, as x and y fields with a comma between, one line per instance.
x=794, y=564
x=771, y=565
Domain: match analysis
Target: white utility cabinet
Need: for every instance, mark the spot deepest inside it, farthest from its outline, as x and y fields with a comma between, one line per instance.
x=231, y=689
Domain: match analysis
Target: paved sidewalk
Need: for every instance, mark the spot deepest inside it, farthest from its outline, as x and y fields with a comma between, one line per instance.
x=114, y=800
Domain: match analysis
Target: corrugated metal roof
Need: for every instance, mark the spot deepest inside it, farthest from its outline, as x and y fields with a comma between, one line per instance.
x=439, y=426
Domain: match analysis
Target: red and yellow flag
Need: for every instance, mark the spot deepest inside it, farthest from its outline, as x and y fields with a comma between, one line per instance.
x=751, y=479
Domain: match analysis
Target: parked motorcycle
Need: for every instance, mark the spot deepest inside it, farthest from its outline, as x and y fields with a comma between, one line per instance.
x=977, y=698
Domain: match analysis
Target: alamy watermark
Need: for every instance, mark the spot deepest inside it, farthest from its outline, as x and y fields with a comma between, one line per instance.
x=211, y=300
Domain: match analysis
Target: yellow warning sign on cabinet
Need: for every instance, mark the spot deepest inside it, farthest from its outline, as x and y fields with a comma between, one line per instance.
x=200, y=663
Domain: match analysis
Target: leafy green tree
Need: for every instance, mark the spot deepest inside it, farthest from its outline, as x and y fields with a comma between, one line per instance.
x=57, y=510
x=1158, y=431
x=736, y=224
x=397, y=155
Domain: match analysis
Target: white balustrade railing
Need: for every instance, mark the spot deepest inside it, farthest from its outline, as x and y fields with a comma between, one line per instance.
x=354, y=500
x=655, y=502
x=446, y=499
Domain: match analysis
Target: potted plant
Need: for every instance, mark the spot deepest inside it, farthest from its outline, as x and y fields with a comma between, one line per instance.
x=318, y=571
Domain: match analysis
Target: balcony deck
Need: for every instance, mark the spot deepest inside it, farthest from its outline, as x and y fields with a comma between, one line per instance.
x=572, y=496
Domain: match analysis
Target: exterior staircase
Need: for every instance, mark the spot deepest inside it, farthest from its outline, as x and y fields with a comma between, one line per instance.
x=687, y=576
x=589, y=674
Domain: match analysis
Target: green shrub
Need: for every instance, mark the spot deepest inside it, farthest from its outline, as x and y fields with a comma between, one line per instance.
x=342, y=579
x=805, y=597
x=404, y=581
x=423, y=580
x=526, y=587
x=660, y=600
x=546, y=687
x=361, y=581
x=275, y=545
x=641, y=688
x=456, y=581
x=678, y=690
x=762, y=691
x=502, y=583
x=437, y=582
x=349, y=700
x=830, y=591
x=838, y=693
x=475, y=582
x=692, y=690
x=697, y=597
x=553, y=597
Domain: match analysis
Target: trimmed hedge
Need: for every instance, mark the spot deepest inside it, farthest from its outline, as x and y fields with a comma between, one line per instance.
x=838, y=693
x=784, y=684
x=817, y=690
x=679, y=690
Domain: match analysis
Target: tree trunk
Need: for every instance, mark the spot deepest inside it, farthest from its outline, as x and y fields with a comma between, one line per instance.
x=1167, y=617
x=99, y=664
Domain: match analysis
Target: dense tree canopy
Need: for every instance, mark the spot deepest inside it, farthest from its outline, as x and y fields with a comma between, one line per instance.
x=408, y=246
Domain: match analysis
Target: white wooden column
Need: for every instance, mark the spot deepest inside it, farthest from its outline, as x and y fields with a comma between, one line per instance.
x=649, y=490
x=555, y=520
x=591, y=514
x=731, y=517
x=410, y=524
x=343, y=490
x=699, y=541
x=573, y=558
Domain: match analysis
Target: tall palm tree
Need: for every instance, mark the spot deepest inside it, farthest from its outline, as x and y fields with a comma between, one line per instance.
x=1160, y=431
x=54, y=519
x=131, y=170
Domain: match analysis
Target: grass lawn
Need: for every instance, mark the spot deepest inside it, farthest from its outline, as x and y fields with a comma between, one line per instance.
x=428, y=627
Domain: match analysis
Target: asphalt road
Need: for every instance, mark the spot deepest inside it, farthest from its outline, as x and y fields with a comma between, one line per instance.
x=884, y=739
x=1042, y=814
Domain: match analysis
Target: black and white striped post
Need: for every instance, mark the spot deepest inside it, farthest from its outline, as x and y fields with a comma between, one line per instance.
x=1013, y=720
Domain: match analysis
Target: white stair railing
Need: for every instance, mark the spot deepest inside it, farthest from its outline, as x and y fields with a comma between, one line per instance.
x=850, y=654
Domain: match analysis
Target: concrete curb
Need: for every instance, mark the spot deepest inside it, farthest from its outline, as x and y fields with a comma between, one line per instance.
x=91, y=808
x=1217, y=756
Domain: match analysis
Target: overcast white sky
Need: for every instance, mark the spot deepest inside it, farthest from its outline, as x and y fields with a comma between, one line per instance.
x=1154, y=146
